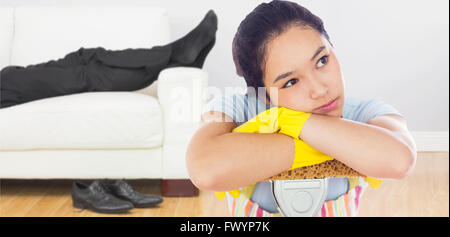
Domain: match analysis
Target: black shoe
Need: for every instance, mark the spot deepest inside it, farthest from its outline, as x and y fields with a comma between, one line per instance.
x=198, y=63
x=186, y=49
x=123, y=190
x=96, y=197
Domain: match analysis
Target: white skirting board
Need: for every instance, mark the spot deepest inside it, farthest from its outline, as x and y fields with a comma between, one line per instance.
x=431, y=141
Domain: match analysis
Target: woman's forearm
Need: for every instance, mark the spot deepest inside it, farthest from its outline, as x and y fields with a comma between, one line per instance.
x=371, y=150
x=234, y=160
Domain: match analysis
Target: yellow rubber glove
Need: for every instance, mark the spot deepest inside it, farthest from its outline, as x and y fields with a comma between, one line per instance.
x=306, y=155
x=276, y=119
x=286, y=121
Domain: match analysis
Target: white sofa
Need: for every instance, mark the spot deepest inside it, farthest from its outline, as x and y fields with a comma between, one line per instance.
x=98, y=135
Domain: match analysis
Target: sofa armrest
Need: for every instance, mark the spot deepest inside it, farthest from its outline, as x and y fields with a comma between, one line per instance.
x=182, y=94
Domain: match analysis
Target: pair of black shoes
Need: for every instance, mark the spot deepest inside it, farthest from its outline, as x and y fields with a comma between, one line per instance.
x=115, y=197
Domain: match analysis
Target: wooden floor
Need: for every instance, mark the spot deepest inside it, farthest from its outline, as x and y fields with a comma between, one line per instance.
x=424, y=193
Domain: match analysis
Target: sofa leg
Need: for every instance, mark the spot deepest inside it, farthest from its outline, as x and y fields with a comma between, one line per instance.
x=178, y=188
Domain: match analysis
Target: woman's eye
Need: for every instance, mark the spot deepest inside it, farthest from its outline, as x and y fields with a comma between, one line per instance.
x=290, y=83
x=322, y=61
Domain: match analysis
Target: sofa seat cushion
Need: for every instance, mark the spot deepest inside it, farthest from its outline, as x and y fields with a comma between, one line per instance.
x=91, y=120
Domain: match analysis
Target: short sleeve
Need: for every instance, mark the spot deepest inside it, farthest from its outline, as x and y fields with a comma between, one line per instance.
x=230, y=104
x=372, y=108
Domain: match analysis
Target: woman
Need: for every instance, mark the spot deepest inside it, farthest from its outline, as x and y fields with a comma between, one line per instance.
x=97, y=69
x=283, y=46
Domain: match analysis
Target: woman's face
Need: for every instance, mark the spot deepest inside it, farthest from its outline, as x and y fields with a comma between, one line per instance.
x=302, y=66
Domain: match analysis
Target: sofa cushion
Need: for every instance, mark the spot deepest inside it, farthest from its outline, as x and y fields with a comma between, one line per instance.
x=6, y=34
x=44, y=33
x=91, y=120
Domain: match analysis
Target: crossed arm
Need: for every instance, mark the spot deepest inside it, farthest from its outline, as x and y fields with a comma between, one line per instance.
x=382, y=148
x=219, y=160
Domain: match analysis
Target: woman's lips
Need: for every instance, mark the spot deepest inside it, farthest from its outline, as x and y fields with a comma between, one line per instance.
x=328, y=107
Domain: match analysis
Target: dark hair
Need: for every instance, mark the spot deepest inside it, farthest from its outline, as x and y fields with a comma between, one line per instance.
x=264, y=23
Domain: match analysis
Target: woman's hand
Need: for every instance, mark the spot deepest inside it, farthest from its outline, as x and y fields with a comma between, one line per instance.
x=288, y=122
x=276, y=119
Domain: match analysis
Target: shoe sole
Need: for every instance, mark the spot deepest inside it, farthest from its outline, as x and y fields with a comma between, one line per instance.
x=146, y=205
x=85, y=205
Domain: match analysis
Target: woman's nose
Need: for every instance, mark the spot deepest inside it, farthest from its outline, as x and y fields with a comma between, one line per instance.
x=317, y=89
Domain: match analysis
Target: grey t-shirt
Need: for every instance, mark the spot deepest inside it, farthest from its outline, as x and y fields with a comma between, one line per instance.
x=242, y=107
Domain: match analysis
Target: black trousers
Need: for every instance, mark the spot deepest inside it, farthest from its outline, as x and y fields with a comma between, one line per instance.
x=85, y=70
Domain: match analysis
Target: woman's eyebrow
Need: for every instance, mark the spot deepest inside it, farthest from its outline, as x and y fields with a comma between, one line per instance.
x=286, y=74
x=318, y=52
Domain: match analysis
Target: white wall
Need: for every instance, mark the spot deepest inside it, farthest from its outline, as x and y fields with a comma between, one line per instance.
x=397, y=51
